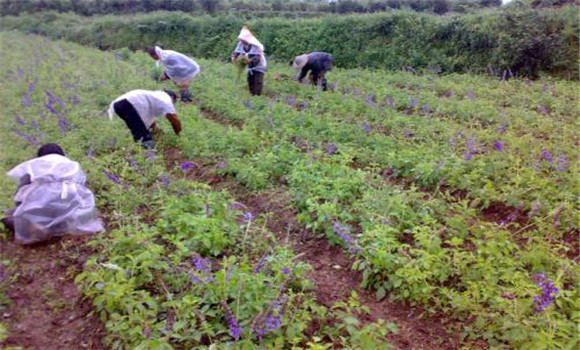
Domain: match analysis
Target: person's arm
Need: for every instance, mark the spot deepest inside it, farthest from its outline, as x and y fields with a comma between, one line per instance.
x=303, y=73
x=163, y=76
x=236, y=52
x=175, y=122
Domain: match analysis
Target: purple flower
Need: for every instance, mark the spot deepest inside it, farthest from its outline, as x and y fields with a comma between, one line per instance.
x=248, y=217
x=260, y=265
x=164, y=179
x=185, y=166
x=413, y=103
x=113, y=177
x=18, y=119
x=370, y=99
x=426, y=109
x=150, y=155
x=366, y=127
x=467, y=156
x=502, y=128
x=222, y=165
x=286, y=270
x=549, y=292
x=356, y=92
x=390, y=101
x=20, y=73
x=547, y=156
x=63, y=125
x=450, y=93
x=233, y=325
x=33, y=124
x=272, y=319
x=498, y=146
x=471, y=95
x=28, y=138
x=544, y=110
x=561, y=163
x=344, y=233
x=26, y=101
x=202, y=271
x=331, y=148
x=236, y=206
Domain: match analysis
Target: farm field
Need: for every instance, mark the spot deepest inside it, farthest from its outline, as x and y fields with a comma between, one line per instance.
x=447, y=205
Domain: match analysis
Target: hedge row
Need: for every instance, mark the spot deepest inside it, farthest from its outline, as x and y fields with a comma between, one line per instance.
x=526, y=42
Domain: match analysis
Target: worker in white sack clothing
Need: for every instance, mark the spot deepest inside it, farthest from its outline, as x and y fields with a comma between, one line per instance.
x=178, y=68
x=251, y=48
x=140, y=109
x=317, y=63
x=52, y=199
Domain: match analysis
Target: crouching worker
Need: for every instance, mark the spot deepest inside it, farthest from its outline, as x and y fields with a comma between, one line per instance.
x=52, y=199
x=252, y=50
x=178, y=67
x=139, y=109
x=318, y=63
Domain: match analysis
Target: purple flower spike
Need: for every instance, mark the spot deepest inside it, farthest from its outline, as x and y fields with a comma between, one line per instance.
x=390, y=101
x=331, y=148
x=561, y=163
x=185, y=166
x=286, y=270
x=18, y=119
x=164, y=180
x=549, y=292
x=344, y=233
x=366, y=128
x=467, y=156
x=498, y=146
x=260, y=265
x=547, y=156
x=413, y=103
x=233, y=325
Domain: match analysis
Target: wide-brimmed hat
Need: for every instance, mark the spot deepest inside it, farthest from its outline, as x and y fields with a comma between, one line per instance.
x=300, y=61
x=248, y=37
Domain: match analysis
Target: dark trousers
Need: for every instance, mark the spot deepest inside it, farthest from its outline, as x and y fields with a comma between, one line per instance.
x=318, y=78
x=127, y=112
x=255, y=82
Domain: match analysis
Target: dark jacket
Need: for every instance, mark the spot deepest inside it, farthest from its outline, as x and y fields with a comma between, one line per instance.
x=318, y=62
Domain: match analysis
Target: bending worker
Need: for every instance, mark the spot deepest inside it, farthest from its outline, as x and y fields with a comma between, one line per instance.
x=251, y=48
x=178, y=67
x=318, y=63
x=52, y=199
x=139, y=109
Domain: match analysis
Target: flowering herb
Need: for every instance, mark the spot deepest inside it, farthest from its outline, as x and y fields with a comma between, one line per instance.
x=544, y=110
x=547, y=156
x=150, y=154
x=498, y=146
x=272, y=319
x=233, y=325
x=390, y=101
x=185, y=166
x=260, y=265
x=344, y=233
x=413, y=103
x=248, y=217
x=331, y=148
x=366, y=128
x=370, y=99
x=286, y=270
x=28, y=138
x=561, y=163
x=291, y=101
x=164, y=180
x=549, y=292
x=18, y=119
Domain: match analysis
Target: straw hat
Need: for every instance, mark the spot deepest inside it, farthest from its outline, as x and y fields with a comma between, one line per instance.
x=300, y=61
x=248, y=37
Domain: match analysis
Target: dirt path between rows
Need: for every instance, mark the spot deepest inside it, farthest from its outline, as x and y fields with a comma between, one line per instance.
x=46, y=311
x=332, y=275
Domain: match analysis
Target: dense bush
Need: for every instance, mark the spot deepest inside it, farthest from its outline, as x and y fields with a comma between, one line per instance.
x=94, y=7
x=526, y=42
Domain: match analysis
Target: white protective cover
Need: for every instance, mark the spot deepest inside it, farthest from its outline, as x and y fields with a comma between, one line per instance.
x=55, y=203
x=178, y=67
x=254, y=50
x=149, y=104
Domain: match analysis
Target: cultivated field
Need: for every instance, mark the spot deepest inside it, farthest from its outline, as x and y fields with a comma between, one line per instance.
x=404, y=209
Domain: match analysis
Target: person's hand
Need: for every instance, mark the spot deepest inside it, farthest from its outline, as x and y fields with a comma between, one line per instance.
x=175, y=123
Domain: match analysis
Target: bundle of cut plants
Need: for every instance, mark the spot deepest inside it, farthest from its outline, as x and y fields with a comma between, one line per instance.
x=241, y=62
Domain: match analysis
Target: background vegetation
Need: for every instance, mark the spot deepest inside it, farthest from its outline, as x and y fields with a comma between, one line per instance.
x=514, y=41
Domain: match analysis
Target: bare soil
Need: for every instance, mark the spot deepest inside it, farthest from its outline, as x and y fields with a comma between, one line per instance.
x=47, y=312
